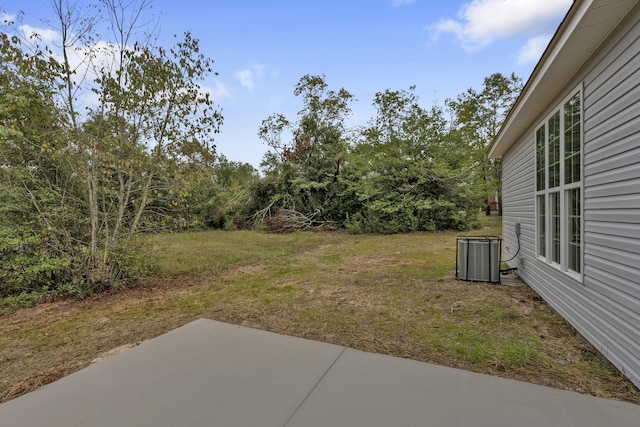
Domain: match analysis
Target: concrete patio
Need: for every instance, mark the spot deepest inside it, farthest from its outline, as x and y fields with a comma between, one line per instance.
x=208, y=373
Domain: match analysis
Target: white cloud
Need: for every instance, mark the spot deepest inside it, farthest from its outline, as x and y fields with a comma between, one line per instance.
x=7, y=18
x=480, y=22
x=248, y=76
x=218, y=93
x=245, y=77
x=532, y=51
x=46, y=35
x=83, y=59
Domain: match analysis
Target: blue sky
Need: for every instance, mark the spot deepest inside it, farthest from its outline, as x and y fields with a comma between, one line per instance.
x=262, y=48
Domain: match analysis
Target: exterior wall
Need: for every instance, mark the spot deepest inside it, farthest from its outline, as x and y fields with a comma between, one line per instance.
x=605, y=307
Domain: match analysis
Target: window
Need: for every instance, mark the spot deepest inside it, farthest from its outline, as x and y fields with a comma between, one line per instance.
x=542, y=225
x=558, y=142
x=573, y=259
x=540, y=158
x=554, y=150
x=555, y=227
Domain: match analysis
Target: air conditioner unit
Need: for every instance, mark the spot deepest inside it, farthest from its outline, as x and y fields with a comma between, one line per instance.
x=478, y=259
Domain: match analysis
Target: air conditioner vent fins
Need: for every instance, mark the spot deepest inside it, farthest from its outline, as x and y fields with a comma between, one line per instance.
x=478, y=259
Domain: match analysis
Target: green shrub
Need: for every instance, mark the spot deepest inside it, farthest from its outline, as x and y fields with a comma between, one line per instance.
x=27, y=266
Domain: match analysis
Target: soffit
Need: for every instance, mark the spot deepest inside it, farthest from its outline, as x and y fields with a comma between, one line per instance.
x=587, y=24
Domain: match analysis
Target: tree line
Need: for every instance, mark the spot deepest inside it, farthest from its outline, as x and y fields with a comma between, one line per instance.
x=410, y=168
x=81, y=180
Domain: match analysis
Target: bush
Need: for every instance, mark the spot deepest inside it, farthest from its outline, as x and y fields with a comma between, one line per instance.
x=26, y=265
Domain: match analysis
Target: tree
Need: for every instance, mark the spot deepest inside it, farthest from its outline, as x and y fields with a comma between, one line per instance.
x=477, y=120
x=222, y=195
x=38, y=195
x=120, y=165
x=397, y=179
x=302, y=175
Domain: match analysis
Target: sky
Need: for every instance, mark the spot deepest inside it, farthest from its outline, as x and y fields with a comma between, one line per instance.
x=262, y=48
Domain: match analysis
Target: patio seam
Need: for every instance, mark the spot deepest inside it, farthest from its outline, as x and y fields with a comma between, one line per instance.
x=295, y=411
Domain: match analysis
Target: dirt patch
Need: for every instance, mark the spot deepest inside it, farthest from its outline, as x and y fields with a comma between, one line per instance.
x=114, y=352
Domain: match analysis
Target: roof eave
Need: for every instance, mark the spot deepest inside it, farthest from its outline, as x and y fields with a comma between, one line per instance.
x=556, y=67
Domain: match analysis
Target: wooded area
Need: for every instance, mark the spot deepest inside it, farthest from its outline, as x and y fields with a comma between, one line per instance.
x=80, y=180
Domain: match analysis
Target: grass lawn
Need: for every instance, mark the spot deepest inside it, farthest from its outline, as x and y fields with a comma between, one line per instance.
x=392, y=294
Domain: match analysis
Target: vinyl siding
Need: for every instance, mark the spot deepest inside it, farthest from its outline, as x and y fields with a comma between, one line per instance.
x=605, y=306
x=518, y=202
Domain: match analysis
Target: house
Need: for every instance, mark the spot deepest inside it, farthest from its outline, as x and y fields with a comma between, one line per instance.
x=570, y=150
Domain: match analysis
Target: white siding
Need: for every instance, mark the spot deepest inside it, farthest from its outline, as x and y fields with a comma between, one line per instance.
x=605, y=307
x=518, y=202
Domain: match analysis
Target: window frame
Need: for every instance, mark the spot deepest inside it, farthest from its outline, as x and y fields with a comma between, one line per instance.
x=545, y=195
